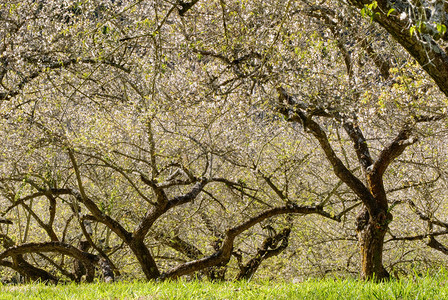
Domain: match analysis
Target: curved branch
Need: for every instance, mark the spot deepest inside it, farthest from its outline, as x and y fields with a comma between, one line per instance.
x=393, y=150
x=269, y=248
x=223, y=254
x=96, y=212
x=54, y=65
x=432, y=58
x=87, y=259
x=164, y=206
x=82, y=197
x=340, y=170
x=59, y=247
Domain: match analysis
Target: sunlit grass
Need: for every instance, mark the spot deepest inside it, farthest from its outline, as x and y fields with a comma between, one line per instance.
x=427, y=287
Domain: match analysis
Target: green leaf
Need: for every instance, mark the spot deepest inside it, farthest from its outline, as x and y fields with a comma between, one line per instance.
x=441, y=28
x=363, y=12
x=390, y=11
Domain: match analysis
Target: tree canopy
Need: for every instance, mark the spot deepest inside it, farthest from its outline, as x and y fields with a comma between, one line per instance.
x=158, y=139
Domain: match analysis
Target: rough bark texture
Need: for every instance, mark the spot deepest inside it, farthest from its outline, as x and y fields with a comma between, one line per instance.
x=106, y=270
x=371, y=232
x=145, y=258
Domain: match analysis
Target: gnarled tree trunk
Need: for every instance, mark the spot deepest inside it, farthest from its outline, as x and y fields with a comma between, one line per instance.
x=144, y=257
x=371, y=231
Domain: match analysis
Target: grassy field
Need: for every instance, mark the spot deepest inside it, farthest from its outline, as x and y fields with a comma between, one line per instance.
x=429, y=287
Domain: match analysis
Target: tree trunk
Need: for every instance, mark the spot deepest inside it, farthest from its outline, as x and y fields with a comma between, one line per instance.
x=371, y=232
x=78, y=265
x=106, y=269
x=145, y=259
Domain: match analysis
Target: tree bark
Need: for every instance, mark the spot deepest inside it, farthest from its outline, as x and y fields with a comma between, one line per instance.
x=30, y=272
x=371, y=232
x=78, y=265
x=145, y=258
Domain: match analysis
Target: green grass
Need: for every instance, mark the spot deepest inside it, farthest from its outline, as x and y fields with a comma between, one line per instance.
x=429, y=287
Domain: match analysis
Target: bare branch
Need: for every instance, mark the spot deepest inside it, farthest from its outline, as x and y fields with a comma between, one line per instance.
x=393, y=150
x=223, y=254
x=297, y=115
x=360, y=144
